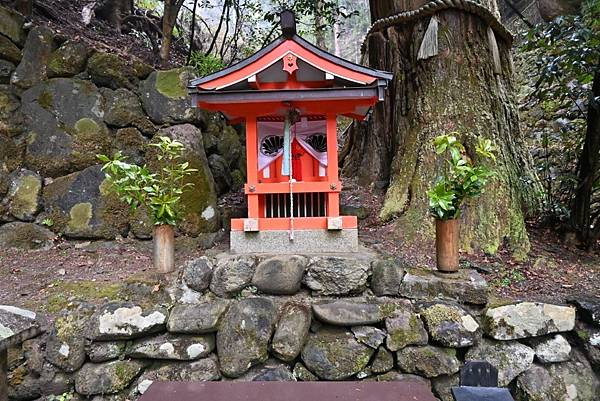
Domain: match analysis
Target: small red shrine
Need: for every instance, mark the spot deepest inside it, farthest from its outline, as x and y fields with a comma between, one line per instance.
x=289, y=95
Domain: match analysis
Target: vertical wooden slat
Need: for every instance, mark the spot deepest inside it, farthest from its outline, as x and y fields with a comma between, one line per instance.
x=252, y=164
x=333, y=198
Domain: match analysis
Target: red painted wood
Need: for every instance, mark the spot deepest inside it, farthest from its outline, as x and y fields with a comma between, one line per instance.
x=300, y=223
x=408, y=390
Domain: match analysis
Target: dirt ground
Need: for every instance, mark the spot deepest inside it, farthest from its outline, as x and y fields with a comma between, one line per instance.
x=95, y=271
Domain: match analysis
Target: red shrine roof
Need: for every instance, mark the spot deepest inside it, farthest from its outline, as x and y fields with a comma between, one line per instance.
x=290, y=70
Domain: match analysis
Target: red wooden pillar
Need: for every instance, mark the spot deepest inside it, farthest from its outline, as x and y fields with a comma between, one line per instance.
x=252, y=165
x=333, y=198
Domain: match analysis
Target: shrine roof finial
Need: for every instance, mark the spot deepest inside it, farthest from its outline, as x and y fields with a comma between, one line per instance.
x=288, y=23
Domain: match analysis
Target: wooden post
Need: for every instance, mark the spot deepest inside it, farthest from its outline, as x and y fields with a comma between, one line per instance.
x=252, y=164
x=164, y=248
x=3, y=373
x=446, y=245
x=333, y=198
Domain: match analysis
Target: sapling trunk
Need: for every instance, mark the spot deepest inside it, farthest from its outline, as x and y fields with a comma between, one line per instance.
x=164, y=248
x=446, y=245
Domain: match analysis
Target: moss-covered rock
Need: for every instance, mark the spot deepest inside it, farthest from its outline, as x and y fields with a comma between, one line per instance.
x=242, y=346
x=404, y=327
x=25, y=236
x=334, y=354
x=428, y=361
x=10, y=158
x=509, y=357
x=69, y=59
x=9, y=51
x=450, y=325
x=82, y=206
x=65, y=130
x=123, y=109
x=165, y=99
x=106, y=378
x=24, y=194
x=11, y=118
x=199, y=203
x=6, y=70
x=112, y=71
x=32, y=68
x=229, y=146
x=11, y=25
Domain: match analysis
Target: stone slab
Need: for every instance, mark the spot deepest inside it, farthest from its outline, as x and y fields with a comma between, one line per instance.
x=305, y=241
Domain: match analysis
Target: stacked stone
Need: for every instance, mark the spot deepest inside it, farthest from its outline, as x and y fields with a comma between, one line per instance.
x=314, y=318
x=61, y=104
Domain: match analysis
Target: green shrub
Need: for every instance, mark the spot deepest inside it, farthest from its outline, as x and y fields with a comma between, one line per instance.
x=206, y=64
x=462, y=180
x=160, y=192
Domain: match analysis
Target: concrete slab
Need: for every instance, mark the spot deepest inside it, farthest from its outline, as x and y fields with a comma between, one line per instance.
x=305, y=242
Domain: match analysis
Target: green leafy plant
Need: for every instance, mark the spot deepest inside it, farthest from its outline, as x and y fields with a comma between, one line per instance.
x=61, y=397
x=160, y=191
x=462, y=180
x=48, y=222
x=206, y=63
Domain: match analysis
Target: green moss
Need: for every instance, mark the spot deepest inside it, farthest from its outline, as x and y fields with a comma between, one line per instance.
x=66, y=327
x=81, y=215
x=25, y=200
x=387, y=310
x=169, y=84
x=63, y=293
x=87, y=126
x=45, y=99
x=437, y=314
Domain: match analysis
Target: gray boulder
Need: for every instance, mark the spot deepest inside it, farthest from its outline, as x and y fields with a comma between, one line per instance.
x=301, y=373
x=133, y=145
x=69, y=59
x=510, y=358
x=125, y=320
x=106, y=350
x=232, y=274
x=229, y=146
x=11, y=25
x=106, y=378
x=280, y=275
x=243, y=338
x=9, y=51
x=221, y=173
x=589, y=309
x=113, y=71
x=404, y=328
x=202, y=370
x=175, y=347
x=65, y=346
x=291, y=332
x=330, y=275
x=387, y=276
x=32, y=68
x=271, y=371
x=334, y=354
x=466, y=286
x=165, y=98
x=197, y=273
x=197, y=318
x=82, y=205
x=6, y=70
x=428, y=361
x=199, y=204
x=45, y=381
x=552, y=349
x=65, y=127
x=351, y=313
x=528, y=319
x=369, y=335
x=442, y=386
x=123, y=108
x=24, y=194
x=450, y=325
x=25, y=236
x=383, y=362
x=11, y=123
x=567, y=381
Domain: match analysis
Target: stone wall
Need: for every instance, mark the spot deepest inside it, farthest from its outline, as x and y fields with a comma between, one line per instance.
x=319, y=318
x=62, y=103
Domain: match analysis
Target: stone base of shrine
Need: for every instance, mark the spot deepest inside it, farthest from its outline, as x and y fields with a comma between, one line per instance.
x=304, y=242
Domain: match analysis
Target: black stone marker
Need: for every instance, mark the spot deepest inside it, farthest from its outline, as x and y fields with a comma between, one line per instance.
x=479, y=374
x=288, y=23
x=481, y=394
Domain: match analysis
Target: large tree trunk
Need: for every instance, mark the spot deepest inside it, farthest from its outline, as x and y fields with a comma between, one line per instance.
x=171, y=11
x=457, y=90
x=588, y=170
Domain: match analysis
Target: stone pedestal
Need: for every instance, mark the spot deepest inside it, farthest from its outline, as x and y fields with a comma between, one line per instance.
x=304, y=242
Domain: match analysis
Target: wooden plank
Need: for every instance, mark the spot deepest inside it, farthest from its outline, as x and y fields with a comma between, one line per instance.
x=300, y=223
x=408, y=390
x=284, y=187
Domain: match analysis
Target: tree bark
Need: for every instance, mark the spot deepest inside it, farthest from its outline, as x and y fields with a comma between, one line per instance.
x=588, y=170
x=319, y=25
x=457, y=90
x=171, y=11
x=25, y=7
